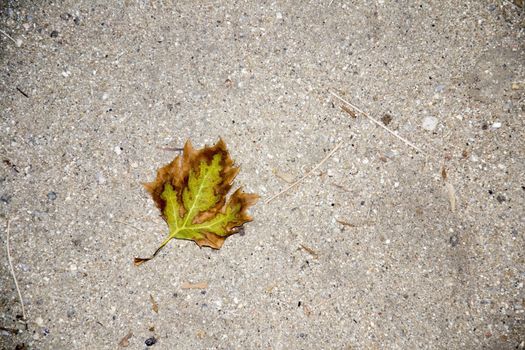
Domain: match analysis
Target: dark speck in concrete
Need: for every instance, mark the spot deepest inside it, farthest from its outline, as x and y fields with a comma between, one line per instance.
x=150, y=341
x=5, y=199
x=52, y=196
x=386, y=119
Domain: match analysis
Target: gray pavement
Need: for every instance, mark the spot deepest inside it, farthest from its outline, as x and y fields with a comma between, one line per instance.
x=374, y=250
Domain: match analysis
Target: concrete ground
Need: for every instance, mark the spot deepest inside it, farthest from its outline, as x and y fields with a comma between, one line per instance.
x=374, y=250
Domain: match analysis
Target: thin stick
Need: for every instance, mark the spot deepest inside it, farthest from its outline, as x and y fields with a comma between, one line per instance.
x=23, y=93
x=130, y=225
x=378, y=123
x=8, y=36
x=306, y=175
x=13, y=271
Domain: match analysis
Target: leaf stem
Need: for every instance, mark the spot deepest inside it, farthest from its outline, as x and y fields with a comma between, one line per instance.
x=139, y=261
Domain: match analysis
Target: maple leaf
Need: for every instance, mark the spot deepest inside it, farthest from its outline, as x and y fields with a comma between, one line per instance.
x=191, y=195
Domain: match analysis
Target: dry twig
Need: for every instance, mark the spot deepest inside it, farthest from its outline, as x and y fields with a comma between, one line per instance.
x=306, y=175
x=309, y=251
x=13, y=271
x=345, y=223
x=8, y=36
x=199, y=285
x=377, y=122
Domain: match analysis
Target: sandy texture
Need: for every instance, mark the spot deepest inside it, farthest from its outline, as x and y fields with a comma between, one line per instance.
x=366, y=253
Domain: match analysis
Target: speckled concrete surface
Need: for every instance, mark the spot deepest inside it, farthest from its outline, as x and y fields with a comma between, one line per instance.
x=90, y=91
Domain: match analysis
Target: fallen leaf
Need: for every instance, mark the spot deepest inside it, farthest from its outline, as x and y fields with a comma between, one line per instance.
x=190, y=193
x=200, y=285
x=154, y=305
x=124, y=342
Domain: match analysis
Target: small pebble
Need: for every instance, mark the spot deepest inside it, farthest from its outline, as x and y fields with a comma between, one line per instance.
x=18, y=42
x=5, y=199
x=39, y=321
x=279, y=15
x=54, y=34
x=118, y=150
x=501, y=198
x=100, y=178
x=496, y=125
x=24, y=267
x=430, y=123
x=440, y=88
x=391, y=153
x=51, y=196
x=150, y=341
x=65, y=16
x=71, y=312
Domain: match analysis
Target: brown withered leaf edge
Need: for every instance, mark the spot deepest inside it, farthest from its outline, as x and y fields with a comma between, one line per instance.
x=177, y=175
